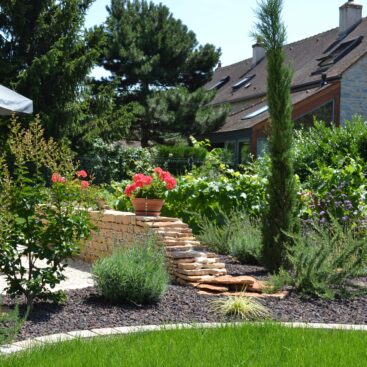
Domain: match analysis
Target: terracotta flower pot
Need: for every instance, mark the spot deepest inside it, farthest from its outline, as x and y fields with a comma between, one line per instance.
x=147, y=207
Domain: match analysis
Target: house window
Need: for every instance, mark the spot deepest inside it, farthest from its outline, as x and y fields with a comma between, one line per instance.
x=322, y=113
x=230, y=152
x=261, y=146
x=256, y=113
x=244, y=151
x=220, y=83
x=242, y=82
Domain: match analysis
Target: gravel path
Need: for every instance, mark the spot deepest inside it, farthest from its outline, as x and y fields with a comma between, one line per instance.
x=77, y=276
x=85, y=309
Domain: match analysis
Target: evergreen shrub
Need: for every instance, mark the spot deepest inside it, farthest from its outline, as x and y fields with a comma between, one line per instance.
x=114, y=162
x=323, y=259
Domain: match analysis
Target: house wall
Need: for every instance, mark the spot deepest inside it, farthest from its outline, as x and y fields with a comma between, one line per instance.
x=332, y=93
x=234, y=138
x=354, y=91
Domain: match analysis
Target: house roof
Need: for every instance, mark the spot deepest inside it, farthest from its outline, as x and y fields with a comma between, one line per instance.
x=236, y=121
x=304, y=56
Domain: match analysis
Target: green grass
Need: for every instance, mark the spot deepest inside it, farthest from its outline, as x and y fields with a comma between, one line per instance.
x=247, y=346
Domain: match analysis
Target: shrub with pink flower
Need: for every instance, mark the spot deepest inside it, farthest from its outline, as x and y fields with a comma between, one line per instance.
x=79, y=180
x=151, y=186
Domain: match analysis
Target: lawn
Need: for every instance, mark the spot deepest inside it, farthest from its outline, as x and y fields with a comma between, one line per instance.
x=248, y=345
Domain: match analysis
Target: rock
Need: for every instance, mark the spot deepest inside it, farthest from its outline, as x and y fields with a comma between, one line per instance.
x=189, y=266
x=178, y=248
x=211, y=288
x=231, y=280
x=202, y=271
x=175, y=225
x=195, y=278
x=185, y=254
x=258, y=287
x=279, y=295
x=357, y=283
x=194, y=265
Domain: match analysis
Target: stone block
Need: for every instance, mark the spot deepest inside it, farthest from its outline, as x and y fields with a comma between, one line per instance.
x=108, y=217
x=211, y=288
x=202, y=271
x=232, y=280
x=185, y=254
x=195, y=278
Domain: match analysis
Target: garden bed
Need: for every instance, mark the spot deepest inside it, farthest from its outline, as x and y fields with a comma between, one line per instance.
x=85, y=309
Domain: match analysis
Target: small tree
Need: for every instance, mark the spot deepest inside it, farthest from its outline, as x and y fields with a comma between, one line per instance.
x=281, y=216
x=39, y=222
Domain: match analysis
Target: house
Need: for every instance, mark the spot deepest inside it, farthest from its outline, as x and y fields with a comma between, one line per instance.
x=329, y=83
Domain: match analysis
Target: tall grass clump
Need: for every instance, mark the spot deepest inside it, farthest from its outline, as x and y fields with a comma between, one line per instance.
x=10, y=324
x=242, y=307
x=235, y=234
x=136, y=274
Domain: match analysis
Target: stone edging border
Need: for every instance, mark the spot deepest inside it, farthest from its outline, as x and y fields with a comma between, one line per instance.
x=55, y=338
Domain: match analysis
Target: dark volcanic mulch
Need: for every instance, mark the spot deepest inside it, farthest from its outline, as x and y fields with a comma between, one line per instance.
x=85, y=309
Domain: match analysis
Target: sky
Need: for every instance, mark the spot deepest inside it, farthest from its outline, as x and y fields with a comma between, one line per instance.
x=227, y=23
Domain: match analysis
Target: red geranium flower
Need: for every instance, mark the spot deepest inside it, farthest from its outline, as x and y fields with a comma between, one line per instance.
x=56, y=177
x=159, y=171
x=82, y=174
x=153, y=186
x=130, y=188
x=84, y=184
x=170, y=183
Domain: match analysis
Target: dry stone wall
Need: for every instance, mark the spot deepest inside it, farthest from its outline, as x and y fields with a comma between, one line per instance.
x=187, y=259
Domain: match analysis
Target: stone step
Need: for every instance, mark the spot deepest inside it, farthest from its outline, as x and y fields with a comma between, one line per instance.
x=211, y=288
x=198, y=260
x=185, y=254
x=166, y=225
x=202, y=271
x=259, y=286
x=231, y=280
x=279, y=295
x=182, y=231
x=181, y=242
x=198, y=266
x=195, y=278
x=183, y=238
x=179, y=248
x=156, y=219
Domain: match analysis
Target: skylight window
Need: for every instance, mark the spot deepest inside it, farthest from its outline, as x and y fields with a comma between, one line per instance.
x=220, y=83
x=338, y=53
x=256, y=113
x=242, y=82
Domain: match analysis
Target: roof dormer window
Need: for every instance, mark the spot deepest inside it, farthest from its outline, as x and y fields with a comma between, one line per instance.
x=242, y=82
x=339, y=52
x=220, y=83
x=256, y=113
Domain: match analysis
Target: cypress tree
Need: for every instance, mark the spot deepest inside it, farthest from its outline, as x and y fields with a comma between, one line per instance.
x=281, y=215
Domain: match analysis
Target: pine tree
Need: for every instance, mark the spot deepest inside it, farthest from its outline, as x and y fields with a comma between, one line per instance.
x=148, y=51
x=45, y=54
x=181, y=113
x=281, y=216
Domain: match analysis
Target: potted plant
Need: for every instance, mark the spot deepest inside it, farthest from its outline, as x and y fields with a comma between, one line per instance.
x=147, y=192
